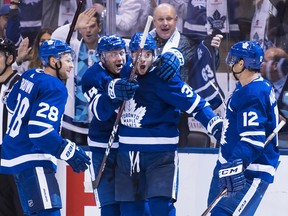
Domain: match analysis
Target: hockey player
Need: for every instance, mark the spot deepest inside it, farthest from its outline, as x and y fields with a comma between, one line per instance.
x=246, y=166
x=147, y=162
x=32, y=143
x=9, y=199
x=104, y=90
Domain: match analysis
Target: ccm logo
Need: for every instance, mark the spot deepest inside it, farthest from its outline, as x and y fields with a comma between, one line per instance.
x=230, y=171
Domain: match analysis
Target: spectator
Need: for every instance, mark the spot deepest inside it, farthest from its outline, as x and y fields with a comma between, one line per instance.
x=166, y=36
x=275, y=69
x=37, y=101
x=28, y=57
x=76, y=117
x=4, y=12
x=9, y=198
x=132, y=15
x=30, y=23
x=245, y=165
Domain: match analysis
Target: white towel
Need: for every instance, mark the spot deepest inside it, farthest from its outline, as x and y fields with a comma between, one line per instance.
x=259, y=21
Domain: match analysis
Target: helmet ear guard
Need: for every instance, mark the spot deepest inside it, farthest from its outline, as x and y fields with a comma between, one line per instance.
x=251, y=53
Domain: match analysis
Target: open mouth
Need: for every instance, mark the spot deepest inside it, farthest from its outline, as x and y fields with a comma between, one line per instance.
x=119, y=66
x=142, y=67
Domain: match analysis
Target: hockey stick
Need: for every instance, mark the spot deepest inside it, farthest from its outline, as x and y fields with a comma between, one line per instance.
x=224, y=192
x=72, y=26
x=96, y=182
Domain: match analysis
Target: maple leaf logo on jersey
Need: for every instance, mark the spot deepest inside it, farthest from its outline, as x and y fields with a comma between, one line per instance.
x=217, y=21
x=132, y=116
x=199, y=53
x=224, y=129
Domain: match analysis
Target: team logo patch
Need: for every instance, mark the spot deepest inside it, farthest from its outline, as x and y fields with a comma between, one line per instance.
x=132, y=116
x=217, y=21
x=30, y=203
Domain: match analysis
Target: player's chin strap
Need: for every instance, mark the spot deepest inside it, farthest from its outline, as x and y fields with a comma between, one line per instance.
x=57, y=69
x=234, y=73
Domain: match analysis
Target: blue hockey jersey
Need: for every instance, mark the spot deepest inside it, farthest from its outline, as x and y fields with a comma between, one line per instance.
x=104, y=109
x=150, y=120
x=202, y=76
x=251, y=116
x=37, y=101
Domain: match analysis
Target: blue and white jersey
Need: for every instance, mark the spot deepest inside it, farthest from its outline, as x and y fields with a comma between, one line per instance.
x=37, y=101
x=251, y=116
x=202, y=76
x=104, y=109
x=150, y=120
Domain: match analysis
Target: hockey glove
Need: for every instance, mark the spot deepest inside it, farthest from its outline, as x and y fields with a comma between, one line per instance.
x=231, y=176
x=122, y=89
x=214, y=128
x=168, y=64
x=73, y=155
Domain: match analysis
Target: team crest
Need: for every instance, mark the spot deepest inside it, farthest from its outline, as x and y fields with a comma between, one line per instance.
x=217, y=21
x=199, y=53
x=132, y=116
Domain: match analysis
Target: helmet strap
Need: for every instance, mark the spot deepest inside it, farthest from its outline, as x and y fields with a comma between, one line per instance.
x=57, y=69
x=234, y=73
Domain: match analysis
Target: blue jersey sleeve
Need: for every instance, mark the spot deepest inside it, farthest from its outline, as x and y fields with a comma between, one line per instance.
x=94, y=87
x=182, y=96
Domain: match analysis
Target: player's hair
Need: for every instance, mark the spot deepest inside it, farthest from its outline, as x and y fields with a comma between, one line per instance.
x=35, y=61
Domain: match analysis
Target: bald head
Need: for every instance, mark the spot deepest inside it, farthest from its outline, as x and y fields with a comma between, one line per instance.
x=165, y=20
x=274, y=53
x=271, y=69
x=164, y=8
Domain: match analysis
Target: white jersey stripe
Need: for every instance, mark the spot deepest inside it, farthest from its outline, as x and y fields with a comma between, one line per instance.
x=253, y=142
x=253, y=133
x=43, y=133
x=28, y=158
x=194, y=105
x=148, y=140
x=101, y=144
x=262, y=168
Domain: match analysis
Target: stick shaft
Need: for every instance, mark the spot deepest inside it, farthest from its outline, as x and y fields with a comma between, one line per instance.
x=72, y=26
x=222, y=193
